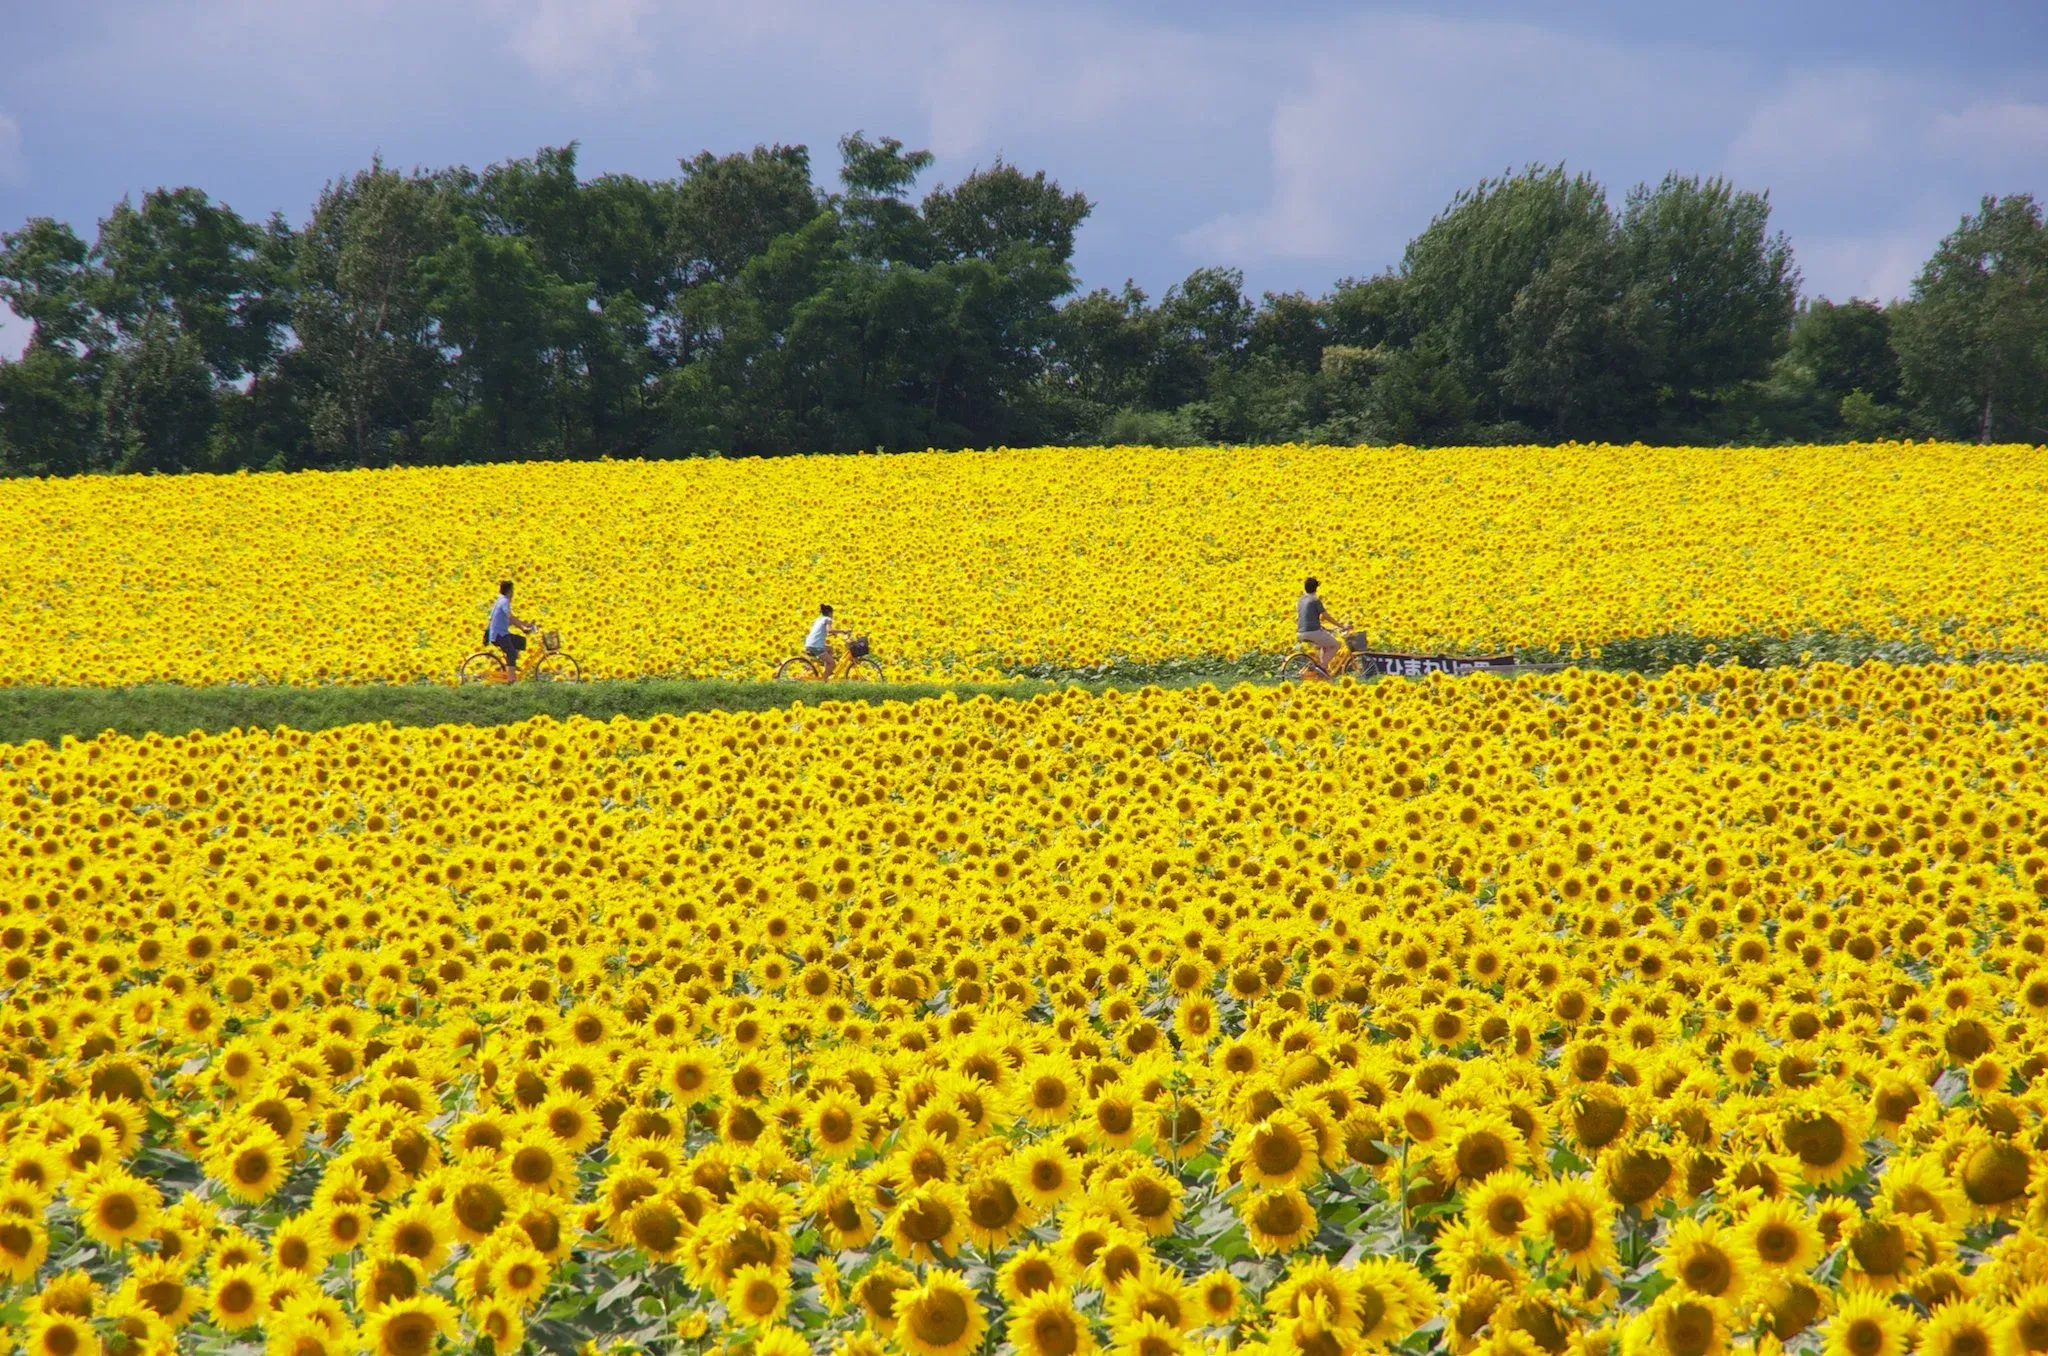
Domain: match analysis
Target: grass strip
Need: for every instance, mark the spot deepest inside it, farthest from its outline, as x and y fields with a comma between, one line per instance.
x=51, y=713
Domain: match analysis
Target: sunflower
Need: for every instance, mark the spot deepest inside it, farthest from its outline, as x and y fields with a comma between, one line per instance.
x=160, y=1287
x=1048, y=1091
x=24, y=1243
x=501, y=1323
x=1046, y=1174
x=1478, y=1144
x=843, y=1207
x=928, y=1222
x=1149, y=1336
x=250, y=1160
x=411, y=1327
x=1314, y=1287
x=1279, y=1151
x=838, y=1126
x=1046, y=1323
x=1777, y=1238
x=2026, y=1319
x=1579, y=1221
x=1825, y=1136
x=995, y=1212
x=115, y=1208
x=1150, y=1199
x=419, y=1231
x=942, y=1316
x=1685, y=1323
x=519, y=1272
x=878, y=1292
x=1156, y=1290
x=1032, y=1270
x=1500, y=1206
x=60, y=1334
x=1866, y=1324
x=236, y=1297
x=1277, y=1221
x=757, y=1295
x=1964, y=1327
x=1704, y=1258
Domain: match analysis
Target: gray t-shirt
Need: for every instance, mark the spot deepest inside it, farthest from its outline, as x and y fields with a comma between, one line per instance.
x=1308, y=614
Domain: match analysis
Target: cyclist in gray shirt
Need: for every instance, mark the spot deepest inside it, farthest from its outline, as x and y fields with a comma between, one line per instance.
x=1309, y=616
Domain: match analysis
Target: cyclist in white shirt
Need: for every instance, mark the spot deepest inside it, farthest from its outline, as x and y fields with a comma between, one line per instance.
x=817, y=641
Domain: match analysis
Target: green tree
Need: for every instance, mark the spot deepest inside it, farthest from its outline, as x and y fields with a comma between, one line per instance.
x=1462, y=275
x=158, y=400
x=1720, y=286
x=1973, y=339
x=364, y=317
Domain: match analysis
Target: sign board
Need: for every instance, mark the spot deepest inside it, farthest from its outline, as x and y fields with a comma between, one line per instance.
x=1394, y=664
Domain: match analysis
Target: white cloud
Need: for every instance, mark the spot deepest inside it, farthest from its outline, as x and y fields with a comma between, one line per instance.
x=1995, y=132
x=13, y=162
x=14, y=332
x=1392, y=115
x=589, y=44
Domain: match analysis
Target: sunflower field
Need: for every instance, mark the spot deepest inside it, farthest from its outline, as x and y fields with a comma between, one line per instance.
x=1585, y=1014
x=1055, y=559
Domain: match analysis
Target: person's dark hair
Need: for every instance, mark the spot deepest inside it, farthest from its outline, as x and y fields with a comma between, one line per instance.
x=824, y=609
x=505, y=587
x=1310, y=585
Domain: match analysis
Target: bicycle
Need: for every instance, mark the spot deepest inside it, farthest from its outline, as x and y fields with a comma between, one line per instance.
x=551, y=665
x=859, y=666
x=1307, y=662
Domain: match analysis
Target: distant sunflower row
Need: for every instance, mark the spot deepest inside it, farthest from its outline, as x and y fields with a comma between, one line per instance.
x=1054, y=558
x=1586, y=1014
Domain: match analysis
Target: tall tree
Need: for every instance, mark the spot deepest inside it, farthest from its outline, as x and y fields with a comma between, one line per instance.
x=1973, y=339
x=1462, y=275
x=364, y=316
x=1722, y=288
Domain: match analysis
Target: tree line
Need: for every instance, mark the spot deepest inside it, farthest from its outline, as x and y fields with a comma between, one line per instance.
x=738, y=308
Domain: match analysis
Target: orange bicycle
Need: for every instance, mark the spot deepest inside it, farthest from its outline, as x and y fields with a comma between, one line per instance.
x=858, y=666
x=545, y=663
x=1306, y=662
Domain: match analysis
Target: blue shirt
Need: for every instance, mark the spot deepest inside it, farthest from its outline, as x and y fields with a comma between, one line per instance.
x=501, y=618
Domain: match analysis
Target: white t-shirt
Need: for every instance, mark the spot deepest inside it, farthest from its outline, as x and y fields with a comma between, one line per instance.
x=815, y=640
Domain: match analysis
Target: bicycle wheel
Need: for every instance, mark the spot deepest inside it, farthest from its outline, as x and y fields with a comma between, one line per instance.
x=796, y=669
x=556, y=668
x=866, y=669
x=1298, y=668
x=485, y=666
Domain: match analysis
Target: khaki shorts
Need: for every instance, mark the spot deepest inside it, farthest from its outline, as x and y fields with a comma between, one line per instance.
x=1321, y=639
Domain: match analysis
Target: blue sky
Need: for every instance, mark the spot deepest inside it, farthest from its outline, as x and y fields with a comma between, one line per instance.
x=1300, y=140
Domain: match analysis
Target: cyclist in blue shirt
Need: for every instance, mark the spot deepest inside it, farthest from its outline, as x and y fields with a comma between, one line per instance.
x=502, y=626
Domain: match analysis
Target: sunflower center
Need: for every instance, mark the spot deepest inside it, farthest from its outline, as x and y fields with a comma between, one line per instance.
x=119, y=1212
x=1276, y=1152
x=835, y=1126
x=927, y=1221
x=1481, y=1154
x=940, y=1319
x=1053, y=1334
x=1864, y=1338
x=1819, y=1140
x=409, y=1335
x=1995, y=1174
x=1777, y=1243
x=1571, y=1227
x=1879, y=1247
x=1504, y=1214
x=1708, y=1271
x=1690, y=1331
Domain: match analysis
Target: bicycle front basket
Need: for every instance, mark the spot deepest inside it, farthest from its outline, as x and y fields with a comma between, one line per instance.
x=1358, y=641
x=857, y=648
x=551, y=641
